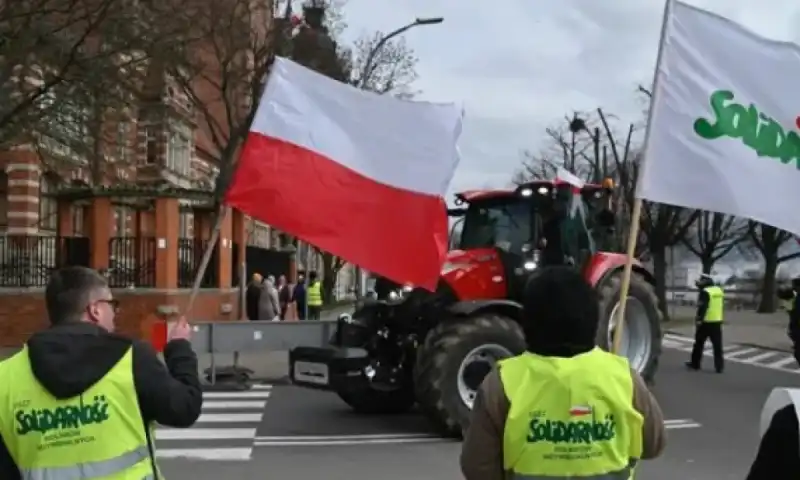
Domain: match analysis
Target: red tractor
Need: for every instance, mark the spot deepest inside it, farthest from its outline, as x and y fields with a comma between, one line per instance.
x=412, y=346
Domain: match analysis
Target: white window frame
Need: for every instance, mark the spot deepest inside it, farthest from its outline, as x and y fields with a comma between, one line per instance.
x=179, y=148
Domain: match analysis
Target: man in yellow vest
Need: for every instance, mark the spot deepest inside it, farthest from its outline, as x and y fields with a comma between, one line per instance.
x=708, y=323
x=564, y=408
x=314, y=296
x=79, y=401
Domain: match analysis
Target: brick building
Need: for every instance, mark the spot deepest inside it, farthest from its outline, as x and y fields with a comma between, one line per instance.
x=155, y=143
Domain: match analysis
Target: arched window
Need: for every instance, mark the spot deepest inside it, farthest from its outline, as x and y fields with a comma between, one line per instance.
x=48, y=205
x=3, y=199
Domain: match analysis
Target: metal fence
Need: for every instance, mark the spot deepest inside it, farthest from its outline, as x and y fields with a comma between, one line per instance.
x=132, y=262
x=28, y=261
x=190, y=254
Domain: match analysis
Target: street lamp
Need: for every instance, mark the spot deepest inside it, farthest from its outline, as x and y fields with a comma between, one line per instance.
x=361, y=281
x=371, y=57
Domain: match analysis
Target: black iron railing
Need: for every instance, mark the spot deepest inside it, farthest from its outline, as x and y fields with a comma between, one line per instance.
x=132, y=262
x=190, y=255
x=28, y=261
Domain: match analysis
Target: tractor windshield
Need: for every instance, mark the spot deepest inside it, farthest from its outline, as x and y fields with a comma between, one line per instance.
x=497, y=223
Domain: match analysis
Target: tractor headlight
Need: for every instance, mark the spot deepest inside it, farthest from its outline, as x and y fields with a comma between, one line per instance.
x=407, y=288
x=530, y=265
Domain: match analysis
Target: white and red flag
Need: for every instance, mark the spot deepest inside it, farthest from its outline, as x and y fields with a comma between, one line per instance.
x=357, y=174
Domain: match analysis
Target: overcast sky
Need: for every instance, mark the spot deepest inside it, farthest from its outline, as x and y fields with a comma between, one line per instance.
x=518, y=66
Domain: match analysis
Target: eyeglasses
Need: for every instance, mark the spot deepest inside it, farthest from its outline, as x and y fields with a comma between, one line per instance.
x=113, y=303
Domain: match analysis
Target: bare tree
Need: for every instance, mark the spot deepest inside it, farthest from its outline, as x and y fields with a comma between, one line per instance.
x=51, y=50
x=768, y=241
x=714, y=236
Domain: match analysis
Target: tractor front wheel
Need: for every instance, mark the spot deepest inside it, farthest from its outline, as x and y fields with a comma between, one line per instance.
x=456, y=356
x=641, y=331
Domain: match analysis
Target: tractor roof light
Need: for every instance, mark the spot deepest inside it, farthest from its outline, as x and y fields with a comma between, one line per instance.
x=608, y=183
x=526, y=192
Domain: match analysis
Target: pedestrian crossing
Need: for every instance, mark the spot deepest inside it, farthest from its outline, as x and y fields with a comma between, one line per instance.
x=749, y=355
x=225, y=431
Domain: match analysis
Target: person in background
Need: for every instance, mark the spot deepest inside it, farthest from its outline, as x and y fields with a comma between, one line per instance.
x=284, y=296
x=299, y=297
x=563, y=378
x=268, y=305
x=708, y=322
x=778, y=456
x=79, y=364
x=252, y=296
x=314, y=296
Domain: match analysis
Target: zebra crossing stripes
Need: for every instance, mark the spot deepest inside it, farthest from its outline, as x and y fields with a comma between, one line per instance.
x=225, y=431
x=745, y=354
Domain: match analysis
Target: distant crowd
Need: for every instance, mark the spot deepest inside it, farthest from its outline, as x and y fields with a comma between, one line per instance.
x=267, y=299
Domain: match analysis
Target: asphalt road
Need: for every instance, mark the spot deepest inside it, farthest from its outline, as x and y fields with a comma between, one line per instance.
x=307, y=434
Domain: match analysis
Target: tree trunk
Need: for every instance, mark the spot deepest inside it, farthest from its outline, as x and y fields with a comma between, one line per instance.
x=329, y=275
x=659, y=254
x=768, y=286
x=708, y=263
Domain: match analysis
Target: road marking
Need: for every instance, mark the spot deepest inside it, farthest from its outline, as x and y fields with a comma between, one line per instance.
x=256, y=394
x=377, y=436
x=219, y=434
x=782, y=362
x=760, y=357
x=218, y=454
x=230, y=417
x=680, y=424
x=205, y=433
x=392, y=438
x=233, y=405
x=764, y=357
x=739, y=353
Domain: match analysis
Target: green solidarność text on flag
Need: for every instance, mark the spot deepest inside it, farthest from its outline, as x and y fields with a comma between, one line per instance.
x=724, y=132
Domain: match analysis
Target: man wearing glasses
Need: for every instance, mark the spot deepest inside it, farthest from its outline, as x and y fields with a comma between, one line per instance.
x=80, y=401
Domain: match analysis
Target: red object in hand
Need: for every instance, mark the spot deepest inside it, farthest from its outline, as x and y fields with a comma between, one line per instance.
x=158, y=336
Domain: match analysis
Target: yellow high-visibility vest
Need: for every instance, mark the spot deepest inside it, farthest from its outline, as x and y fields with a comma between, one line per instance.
x=99, y=434
x=314, y=294
x=716, y=304
x=570, y=417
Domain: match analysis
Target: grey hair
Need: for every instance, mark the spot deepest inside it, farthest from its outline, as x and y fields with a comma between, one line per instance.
x=69, y=292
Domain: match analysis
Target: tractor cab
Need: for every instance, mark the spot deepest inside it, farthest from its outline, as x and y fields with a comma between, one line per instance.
x=538, y=223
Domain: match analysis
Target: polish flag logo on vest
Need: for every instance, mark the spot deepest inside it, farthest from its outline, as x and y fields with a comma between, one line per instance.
x=580, y=410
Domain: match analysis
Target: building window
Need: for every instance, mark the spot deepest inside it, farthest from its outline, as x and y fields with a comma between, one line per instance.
x=121, y=221
x=48, y=205
x=3, y=199
x=123, y=133
x=151, y=145
x=185, y=225
x=179, y=148
x=77, y=220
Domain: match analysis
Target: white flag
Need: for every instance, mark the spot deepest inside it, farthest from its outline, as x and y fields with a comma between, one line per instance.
x=724, y=127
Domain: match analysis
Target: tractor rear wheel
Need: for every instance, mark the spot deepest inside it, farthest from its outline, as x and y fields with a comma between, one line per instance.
x=641, y=332
x=456, y=356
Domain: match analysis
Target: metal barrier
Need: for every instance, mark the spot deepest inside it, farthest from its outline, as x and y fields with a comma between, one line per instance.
x=257, y=336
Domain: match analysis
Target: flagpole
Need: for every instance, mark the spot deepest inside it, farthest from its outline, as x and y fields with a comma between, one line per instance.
x=201, y=270
x=636, y=212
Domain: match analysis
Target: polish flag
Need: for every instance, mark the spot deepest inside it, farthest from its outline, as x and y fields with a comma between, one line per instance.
x=356, y=174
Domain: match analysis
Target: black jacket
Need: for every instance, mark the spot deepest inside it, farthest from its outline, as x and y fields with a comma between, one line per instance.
x=778, y=456
x=69, y=359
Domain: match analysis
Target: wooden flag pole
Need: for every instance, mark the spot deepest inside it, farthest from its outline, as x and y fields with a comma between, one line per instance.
x=201, y=270
x=618, y=322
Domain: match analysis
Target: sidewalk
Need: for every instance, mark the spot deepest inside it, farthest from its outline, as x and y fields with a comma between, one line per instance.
x=741, y=327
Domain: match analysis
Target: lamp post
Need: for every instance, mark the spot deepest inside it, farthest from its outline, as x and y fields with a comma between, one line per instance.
x=361, y=279
x=378, y=46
